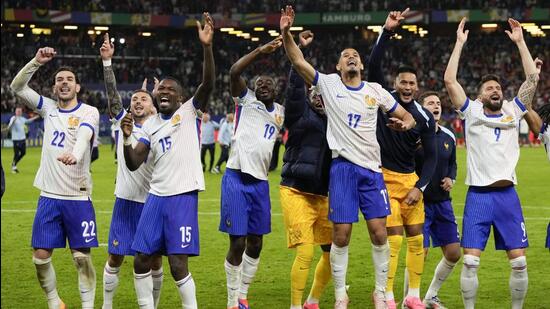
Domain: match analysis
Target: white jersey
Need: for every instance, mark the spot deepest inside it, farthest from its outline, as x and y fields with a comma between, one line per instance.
x=256, y=130
x=352, y=115
x=132, y=186
x=175, y=145
x=544, y=136
x=60, y=132
x=492, y=145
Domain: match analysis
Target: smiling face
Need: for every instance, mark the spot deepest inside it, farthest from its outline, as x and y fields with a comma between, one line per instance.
x=433, y=104
x=315, y=101
x=141, y=105
x=65, y=87
x=264, y=88
x=490, y=94
x=406, y=86
x=169, y=96
x=349, y=62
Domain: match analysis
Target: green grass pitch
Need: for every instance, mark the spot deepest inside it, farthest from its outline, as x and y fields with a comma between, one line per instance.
x=20, y=288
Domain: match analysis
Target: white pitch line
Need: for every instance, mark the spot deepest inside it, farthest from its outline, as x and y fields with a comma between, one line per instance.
x=202, y=213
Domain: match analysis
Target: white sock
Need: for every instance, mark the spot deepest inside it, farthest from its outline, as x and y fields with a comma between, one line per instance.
x=86, y=278
x=249, y=269
x=413, y=293
x=110, y=283
x=47, y=279
x=406, y=282
x=158, y=277
x=442, y=271
x=518, y=281
x=186, y=287
x=468, y=280
x=389, y=296
x=143, y=283
x=233, y=276
x=381, y=261
x=295, y=307
x=339, y=267
x=312, y=300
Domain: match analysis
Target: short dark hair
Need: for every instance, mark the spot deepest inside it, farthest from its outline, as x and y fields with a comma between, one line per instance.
x=486, y=78
x=144, y=91
x=180, y=88
x=404, y=68
x=65, y=68
x=426, y=94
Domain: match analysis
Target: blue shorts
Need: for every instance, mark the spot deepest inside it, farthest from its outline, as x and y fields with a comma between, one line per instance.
x=440, y=224
x=353, y=188
x=245, y=204
x=57, y=220
x=548, y=236
x=168, y=225
x=125, y=219
x=497, y=207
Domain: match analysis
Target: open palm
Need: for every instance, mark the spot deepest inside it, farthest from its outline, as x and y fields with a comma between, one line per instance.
x=287, y=18
x=206, y=33
x=517, y=33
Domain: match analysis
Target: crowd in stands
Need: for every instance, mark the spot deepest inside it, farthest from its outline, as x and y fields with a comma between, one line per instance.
x=176, y=55
x=179, y=7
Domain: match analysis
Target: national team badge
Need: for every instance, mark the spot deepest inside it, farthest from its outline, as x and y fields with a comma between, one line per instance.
x=73, y=122
x=446, y=146
x=175, y=119
x=507, y=119
x=278, y=119
x=370, y=102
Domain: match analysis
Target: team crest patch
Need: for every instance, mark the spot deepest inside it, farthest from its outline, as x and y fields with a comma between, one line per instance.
x=115, y=242
x=228, y=222
x=370, y=102
x=507, y=119
x=446, y=146
x=73, y=122
x=175, y=119
x=278, y=119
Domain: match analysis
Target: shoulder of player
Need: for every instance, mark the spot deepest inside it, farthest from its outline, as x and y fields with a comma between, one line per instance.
x=420, y=114
x=447, y=133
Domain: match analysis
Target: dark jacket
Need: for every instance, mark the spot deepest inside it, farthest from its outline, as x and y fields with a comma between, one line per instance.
x=307, y=158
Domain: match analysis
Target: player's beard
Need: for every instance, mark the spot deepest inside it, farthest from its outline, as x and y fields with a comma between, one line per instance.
x=489, y=104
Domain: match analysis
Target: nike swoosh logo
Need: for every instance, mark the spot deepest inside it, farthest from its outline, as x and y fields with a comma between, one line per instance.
x=88, y=240
x=385, y=271
x=523, y=239
x=340, y=96
x=185, y=246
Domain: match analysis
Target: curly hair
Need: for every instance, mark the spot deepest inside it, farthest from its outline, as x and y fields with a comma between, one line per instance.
x=544, y=113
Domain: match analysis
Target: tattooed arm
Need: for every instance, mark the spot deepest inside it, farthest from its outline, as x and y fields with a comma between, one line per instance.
x=527, y=90
x=113, y=97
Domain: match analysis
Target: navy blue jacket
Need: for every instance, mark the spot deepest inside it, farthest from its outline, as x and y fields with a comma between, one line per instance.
x=397, y=148
x=446, y=165
x=307, y=158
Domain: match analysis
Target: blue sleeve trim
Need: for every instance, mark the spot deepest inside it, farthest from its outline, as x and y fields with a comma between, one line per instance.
x=245, y=91
x=316, y=78
x=394, y=107
x=120, y=114
x=465, y=106
x=85, y=124
x=196, y=103
x=40, y=103
x=520, y=104
x=145, y=141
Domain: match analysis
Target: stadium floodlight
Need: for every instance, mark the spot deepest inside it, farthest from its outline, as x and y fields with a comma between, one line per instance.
x=259, y=28
x=375, y=28
x=22, y=25
x=296, y=28
x=226, y=29
x=122, y=40
x=527, y=24
x=489, y=26
x=255, y=39
x=146, y=34
x=101, y=28
x=70, y=27
x=20, y=35
x=422, y=32
x=39, y=31
x=235, y=32
x=32, y=26
x=98, y=32
x=274, y=33
x=90, y=32
x=545, y=27
x=112, y=40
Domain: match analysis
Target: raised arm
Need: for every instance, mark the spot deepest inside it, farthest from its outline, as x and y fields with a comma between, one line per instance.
x=456, y=92
x=236, y=82
x=375, y=73
x=134, y=157
x=114, y=100
x=527, y=90
x=204, y=90
x=401, y=120
x=293, y=52
x=20, y=86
